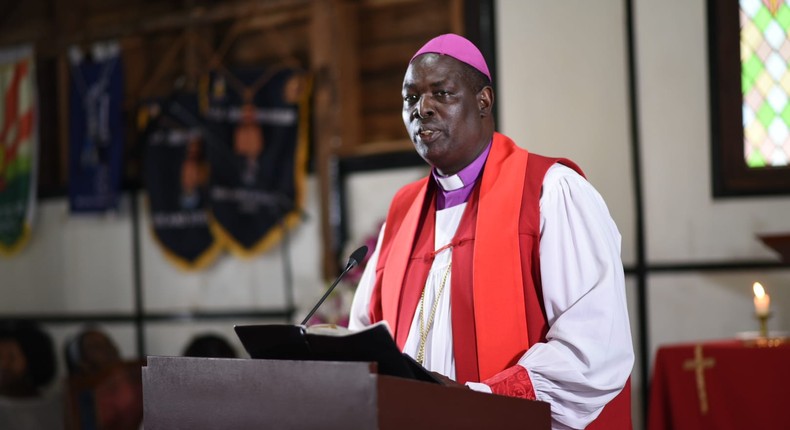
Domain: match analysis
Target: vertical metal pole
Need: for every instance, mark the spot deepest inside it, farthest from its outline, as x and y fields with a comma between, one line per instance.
x=287, y=271
x=137, y=274
x=641, y=260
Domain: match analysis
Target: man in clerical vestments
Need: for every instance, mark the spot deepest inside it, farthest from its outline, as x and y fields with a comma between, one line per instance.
x=501, y=269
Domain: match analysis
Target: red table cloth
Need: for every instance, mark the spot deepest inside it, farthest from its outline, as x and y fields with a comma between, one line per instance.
x=721, y=385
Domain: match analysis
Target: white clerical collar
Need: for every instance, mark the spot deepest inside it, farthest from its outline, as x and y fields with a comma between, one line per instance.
x=450, y=183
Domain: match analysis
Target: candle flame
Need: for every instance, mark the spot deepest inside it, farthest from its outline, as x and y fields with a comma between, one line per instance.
x=759, y=291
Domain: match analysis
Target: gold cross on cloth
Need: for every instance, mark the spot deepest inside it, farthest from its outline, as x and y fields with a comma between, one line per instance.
x=699, y=364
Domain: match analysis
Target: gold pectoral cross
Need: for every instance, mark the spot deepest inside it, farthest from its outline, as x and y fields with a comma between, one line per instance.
x=699, y=364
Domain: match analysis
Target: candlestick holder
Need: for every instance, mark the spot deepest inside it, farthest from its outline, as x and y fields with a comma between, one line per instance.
x=762, y=339
x=763, y=319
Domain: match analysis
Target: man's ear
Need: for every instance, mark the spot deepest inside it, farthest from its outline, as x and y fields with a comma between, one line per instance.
x=485, y=101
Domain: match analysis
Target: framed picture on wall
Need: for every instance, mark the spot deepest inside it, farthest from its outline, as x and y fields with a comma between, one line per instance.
x=749, y=53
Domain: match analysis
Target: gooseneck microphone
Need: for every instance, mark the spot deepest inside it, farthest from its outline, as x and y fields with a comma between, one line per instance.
x=355, y=258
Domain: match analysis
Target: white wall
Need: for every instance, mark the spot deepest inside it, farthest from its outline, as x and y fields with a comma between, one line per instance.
x=60, y=250
x=562, y=92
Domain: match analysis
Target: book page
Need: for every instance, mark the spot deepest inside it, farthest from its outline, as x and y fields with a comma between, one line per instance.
x=336, y=330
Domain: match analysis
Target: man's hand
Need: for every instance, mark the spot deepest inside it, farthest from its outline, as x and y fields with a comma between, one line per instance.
x=447, y=382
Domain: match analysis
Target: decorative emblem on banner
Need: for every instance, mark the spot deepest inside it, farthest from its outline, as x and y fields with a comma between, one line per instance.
x=18, y=147
x=258, y=165
x=176, y=176
x=96, y=134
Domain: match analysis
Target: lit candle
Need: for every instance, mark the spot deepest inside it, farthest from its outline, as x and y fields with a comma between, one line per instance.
x=762, y=301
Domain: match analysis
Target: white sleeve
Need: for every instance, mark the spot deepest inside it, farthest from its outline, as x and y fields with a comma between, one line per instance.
x=588, y=354
x=360, y=316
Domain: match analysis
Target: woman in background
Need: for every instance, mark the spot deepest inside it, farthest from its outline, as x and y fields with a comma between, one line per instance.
x=105, y=392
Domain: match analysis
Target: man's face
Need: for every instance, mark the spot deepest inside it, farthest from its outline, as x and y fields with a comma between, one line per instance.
x=443, y=114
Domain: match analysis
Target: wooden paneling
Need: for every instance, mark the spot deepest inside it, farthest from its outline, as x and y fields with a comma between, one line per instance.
x=382, y=127
x=390, y=33
x=404, y=20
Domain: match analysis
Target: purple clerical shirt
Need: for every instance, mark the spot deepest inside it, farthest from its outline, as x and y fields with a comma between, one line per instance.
x=455, y=189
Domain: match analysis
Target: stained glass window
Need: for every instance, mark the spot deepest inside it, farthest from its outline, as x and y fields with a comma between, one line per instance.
x=765, y=81
x=748, y=56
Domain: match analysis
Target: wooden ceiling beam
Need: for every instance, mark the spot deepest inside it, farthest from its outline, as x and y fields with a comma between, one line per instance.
x=221, y=12
x=53, y=35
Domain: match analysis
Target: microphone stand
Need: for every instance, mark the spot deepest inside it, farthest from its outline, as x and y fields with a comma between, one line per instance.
x=353, y=261
x=349, y=266
x=287, y=266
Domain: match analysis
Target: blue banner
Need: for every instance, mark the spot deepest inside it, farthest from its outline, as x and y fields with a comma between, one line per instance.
x=96, y=132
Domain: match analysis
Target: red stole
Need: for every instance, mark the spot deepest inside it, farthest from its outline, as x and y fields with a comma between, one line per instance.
x=503, y=262
x=491, y=259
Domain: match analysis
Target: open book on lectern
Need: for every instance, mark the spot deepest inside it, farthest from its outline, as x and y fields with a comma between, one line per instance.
x=373, y=344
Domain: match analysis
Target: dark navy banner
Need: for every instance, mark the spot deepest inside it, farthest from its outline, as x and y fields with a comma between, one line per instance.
x=176, y=177
x=96, y=133
x=258, y=164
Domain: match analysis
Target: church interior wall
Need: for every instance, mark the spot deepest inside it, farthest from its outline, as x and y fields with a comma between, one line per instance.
x=685, y=225
x=568, y=96
x=561, y=90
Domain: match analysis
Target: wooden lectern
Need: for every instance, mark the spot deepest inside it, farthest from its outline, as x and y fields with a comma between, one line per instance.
x=212, y=393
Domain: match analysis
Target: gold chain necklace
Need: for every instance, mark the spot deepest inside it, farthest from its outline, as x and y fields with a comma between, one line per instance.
x=425, y=329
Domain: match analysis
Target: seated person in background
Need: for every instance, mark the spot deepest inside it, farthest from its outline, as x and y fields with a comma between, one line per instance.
x=211, y=346
x=91, y=351
x=27, y=366
x=104, y=391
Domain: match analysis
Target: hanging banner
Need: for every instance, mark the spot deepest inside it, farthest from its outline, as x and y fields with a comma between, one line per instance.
x=176, y=175
x=258, y=164
x=18, y=147
x=96, y=135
